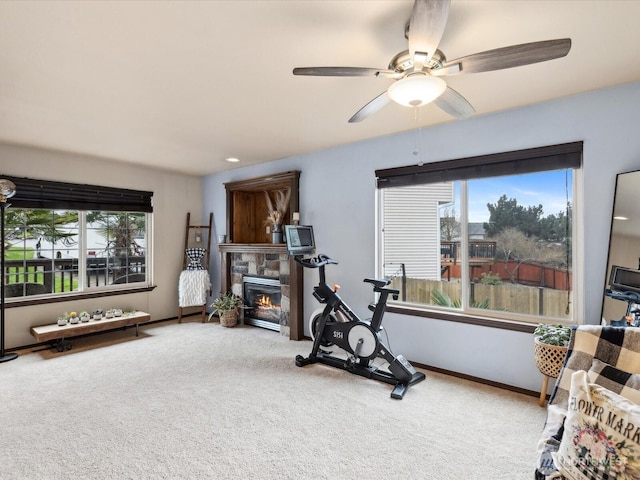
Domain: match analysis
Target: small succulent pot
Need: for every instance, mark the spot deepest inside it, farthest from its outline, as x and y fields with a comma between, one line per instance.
x=73, y=318
x=97, y=314
x=85, y=317
x=62, y=321
x=117, y=312
x=109, y=314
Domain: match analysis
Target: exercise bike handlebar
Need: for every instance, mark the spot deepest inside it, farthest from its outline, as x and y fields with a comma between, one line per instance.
x=321, y=260
x=315, y=262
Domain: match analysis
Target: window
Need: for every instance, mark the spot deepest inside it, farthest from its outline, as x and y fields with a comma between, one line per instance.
x=488, y=237
x=65, y=238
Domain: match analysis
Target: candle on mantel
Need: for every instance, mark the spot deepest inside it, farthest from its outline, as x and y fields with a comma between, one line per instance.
x=295, y=217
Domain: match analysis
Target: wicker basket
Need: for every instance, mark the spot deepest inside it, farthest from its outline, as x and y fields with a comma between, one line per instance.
x=229, y=319
x=549, y=358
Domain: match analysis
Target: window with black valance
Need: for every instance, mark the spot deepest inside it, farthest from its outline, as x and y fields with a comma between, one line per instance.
x=45, y=194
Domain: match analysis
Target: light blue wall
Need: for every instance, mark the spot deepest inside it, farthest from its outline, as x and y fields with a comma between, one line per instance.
x=337, y=197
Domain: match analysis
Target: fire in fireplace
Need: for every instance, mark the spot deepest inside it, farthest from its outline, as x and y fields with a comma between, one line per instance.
x=262, y=298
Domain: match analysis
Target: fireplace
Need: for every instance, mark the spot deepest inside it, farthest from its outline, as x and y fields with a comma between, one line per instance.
x=262, y=299
x=269, y=261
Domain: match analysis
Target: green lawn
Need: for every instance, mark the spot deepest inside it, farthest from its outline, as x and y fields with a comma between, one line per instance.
x=17, y=253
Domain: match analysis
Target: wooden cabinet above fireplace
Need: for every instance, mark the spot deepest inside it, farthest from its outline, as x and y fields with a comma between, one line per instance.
x=247, y=207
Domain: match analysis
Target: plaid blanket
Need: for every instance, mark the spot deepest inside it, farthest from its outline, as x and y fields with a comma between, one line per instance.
x=615, y=346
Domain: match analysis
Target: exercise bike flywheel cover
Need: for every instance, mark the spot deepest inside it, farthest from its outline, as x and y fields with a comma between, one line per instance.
x=367, y=337
x=313, y=327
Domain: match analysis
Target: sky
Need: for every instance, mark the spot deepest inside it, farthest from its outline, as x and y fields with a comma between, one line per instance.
x=548, y=189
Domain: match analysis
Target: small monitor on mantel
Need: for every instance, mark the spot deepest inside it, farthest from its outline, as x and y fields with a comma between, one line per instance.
x=300, y=240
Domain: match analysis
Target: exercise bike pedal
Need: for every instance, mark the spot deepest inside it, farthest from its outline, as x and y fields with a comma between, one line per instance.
x=350, y=365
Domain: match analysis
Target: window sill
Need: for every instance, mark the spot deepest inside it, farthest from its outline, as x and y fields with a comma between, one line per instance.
x=462, y=318
x=26, y=301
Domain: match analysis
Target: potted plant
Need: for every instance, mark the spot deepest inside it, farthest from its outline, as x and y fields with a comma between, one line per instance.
x=84, y=316
x=557, y=335
x=63, y=319
x=226, y=307
x=550, y=347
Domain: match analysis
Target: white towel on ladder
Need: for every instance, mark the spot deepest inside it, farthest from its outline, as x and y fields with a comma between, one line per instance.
x=193, y=287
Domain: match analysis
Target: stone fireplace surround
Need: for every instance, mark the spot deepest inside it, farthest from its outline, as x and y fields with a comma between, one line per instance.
x=270, y=261
x=265, y=265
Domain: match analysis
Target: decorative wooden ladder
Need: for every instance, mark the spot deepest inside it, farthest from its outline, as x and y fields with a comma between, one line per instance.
x=198, y=231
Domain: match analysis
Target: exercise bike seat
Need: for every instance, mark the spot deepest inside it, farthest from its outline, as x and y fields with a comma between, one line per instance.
x=377, y=283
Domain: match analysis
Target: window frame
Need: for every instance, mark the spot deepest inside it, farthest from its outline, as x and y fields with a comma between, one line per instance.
x=532, y=160
x=52, y=196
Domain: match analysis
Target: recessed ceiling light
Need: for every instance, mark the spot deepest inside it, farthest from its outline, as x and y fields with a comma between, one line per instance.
x=232, y=160
x=620, y=217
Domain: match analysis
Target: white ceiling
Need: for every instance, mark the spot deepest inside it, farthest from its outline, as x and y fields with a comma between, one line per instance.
x=183, y=85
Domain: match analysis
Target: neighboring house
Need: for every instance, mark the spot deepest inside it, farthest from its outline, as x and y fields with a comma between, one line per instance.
x=411, y=229
x=476, y=231
x=411, y=238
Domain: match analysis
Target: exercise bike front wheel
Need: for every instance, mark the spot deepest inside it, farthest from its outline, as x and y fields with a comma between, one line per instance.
x=314, y=321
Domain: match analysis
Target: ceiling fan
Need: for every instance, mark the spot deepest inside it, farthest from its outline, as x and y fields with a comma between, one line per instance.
x=417, y=71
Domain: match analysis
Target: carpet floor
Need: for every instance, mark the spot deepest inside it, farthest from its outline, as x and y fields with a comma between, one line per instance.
x=194, y=400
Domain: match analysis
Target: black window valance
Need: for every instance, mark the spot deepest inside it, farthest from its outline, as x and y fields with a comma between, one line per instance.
x=553, y=157
x=32, y=193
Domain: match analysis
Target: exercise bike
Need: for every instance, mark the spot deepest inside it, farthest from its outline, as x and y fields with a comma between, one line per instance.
x=632, y=315
x=337, y=325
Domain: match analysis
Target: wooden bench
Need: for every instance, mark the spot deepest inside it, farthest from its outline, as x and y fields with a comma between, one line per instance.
x=60, y=334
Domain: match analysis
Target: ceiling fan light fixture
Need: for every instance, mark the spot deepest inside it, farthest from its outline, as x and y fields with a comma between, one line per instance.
x=416, y=90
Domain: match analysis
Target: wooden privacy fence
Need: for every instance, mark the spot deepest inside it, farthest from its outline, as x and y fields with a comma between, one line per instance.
x=525, y=273
x=514, y=298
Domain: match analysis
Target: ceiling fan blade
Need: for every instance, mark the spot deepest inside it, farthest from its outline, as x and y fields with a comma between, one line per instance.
x=345, y=72
x=370, y=108
x=508, y=57
x=454, y=104
x=426, y=26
